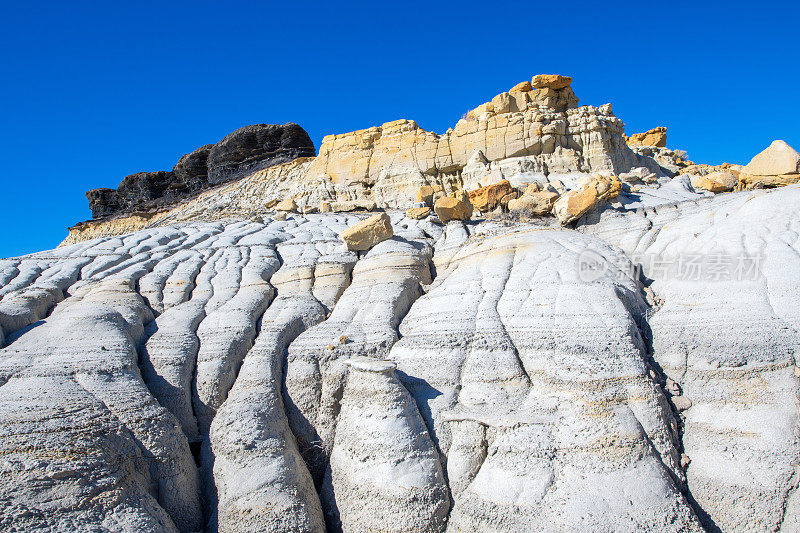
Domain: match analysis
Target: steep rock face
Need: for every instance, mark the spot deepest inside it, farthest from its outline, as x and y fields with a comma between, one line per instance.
x=256, y=147
x=139, y=190
x=191, y=170
x=103, y=202
x=586, y=139
x=246, y=150
x=533, y=133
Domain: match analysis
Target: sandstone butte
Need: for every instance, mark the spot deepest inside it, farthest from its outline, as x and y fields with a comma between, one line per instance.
x=239, y=344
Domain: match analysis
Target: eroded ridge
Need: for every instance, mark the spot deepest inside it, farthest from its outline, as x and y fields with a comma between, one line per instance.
x=536, y=390
x=726, y=273
x=256, y=375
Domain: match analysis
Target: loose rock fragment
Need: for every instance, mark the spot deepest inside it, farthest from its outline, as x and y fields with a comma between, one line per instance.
x=457, y=207
x=368, y=233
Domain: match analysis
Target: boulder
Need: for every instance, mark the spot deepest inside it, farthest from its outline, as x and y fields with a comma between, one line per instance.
x=637, y=174
x=776, y=166
x=351, y=205
x=456, y=207
x=256, y=147
x=577, y=202
x=418, y=213
x=551, y=81
x=522, y=87
x=656, y=137
x=367, y=233
x=485, y=199
x=536, y=203
x=428, y=194
x=287, y=205
x=608, y=187
x=715, y=182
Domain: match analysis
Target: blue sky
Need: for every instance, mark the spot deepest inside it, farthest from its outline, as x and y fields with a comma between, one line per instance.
x=94, y=91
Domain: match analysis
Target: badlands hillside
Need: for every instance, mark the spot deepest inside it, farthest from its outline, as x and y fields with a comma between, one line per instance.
x=531, y=322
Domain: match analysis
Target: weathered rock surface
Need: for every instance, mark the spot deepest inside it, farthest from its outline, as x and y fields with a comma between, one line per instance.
x=530, y=421
x=201, y=375
x=368, y=232
x=656, y=137
x=725, y=271
x=776, y=166
x=385, y=473
x=246, y=150
x=213, y=360
x=253, y=148
x=456, y=207
x=191, y=170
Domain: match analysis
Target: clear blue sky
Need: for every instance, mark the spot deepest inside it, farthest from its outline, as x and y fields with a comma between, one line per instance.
x=94, y=91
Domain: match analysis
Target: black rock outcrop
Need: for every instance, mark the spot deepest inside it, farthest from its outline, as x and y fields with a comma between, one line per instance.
x=244, y=151
x=256, y=147
x=103, y=202
x=191, y=170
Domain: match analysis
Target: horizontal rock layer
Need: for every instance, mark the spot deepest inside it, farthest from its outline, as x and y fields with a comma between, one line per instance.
x=524, y=135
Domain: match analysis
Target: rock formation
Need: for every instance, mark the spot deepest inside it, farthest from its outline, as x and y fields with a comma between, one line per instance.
x=244, y=151
x=656, y=137
x=776, y=166
x=256, y=147
x=589, y=338
x=385, y=473
x=368, y=233
x=534, y=132
x=715, y=182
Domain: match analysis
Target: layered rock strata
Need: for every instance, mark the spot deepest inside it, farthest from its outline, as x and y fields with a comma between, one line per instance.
x=246, y=150
x=534, y=132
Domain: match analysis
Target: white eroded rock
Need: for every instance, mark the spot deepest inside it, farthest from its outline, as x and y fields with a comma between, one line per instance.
x=726, y=269
x=385, y=473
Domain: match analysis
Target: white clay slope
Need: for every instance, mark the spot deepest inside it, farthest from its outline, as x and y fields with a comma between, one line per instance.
x=211, y=376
